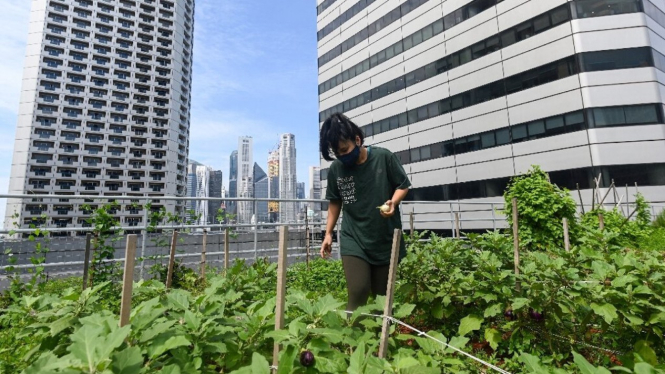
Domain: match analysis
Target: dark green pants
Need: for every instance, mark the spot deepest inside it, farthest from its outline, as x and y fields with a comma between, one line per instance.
x=363, y=278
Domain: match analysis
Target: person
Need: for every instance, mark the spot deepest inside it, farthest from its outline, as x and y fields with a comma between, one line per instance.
x=360, y=179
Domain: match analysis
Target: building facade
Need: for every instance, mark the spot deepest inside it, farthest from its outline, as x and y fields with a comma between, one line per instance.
x=215, y=190
x=470, y=93
x=273, y=185
x=261, y=191
x=233, y=182
x=315, y=191
x=287, y=177
x=198, y=185
x=104, y=108
x=245, y=178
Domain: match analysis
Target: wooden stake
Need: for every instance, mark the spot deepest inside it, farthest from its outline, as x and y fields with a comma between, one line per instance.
x=516, y=244
x=607, y=193
x=627, y=201
x=281, y=287
x=411, y=222
x=390, y=291
x=566, y=238
x=169, y=274
x=601, y=222
x=226, y=249
x=580, y=195
x=203, y=254
x=86, y=260
x=95, y=243
x=128, y=280
x=457, y=233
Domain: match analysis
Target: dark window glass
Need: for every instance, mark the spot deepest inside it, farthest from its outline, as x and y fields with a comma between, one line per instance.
x=413, y=116
x=524, y=31
x=554, y=124
x=616, y=59
x=536, y=129
x=425, y=153
x=560, y=15
x=609, y=116
x=415, y=155
x=422, y=113
x=641, y=114
x=541, y=23
x=598, y=8
x=473, y=143
x=508, y=38
x=487, y=140
x=448, y=148
x=519, y=133
x=576, y=118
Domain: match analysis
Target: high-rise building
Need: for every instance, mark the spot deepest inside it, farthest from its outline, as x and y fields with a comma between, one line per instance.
x=261, y=191
x=300, y=206
x=215, y=190
x=198, y=185
x=315, y=189
x=287, y=177
x=245, y=178
x=468, y=94
x=233, y=182
x=104, y=107
x=273, y=185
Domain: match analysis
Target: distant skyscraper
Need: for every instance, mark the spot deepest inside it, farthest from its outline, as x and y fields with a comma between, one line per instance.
x=198, y=184
x=273, y=185
x=104, y=108
x=215, y=190
x=233, y=182
x=245, y=178
x=261, y=192
x=300, y=190
x=315, y=189
x=287, y=177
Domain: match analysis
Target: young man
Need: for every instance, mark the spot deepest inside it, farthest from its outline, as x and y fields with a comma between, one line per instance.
x=360, y=179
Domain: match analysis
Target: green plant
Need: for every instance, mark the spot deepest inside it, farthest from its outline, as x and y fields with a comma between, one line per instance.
x=105, y=232
x=541, y=206
x=629, y=232
x=659, y=221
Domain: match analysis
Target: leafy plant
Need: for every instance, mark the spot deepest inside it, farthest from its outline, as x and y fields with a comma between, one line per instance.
x=541, y=206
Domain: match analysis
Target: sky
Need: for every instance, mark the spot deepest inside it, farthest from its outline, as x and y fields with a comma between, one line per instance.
x=255, y=74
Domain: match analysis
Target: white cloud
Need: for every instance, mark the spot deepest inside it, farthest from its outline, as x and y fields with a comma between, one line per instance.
x=14, y=30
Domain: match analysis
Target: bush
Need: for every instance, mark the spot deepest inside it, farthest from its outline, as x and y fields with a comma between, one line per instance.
x=542, y=207
x=659, y=221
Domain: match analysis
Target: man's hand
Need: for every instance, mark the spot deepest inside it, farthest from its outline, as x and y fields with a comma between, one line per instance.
x=390, y=211
x=326, y=246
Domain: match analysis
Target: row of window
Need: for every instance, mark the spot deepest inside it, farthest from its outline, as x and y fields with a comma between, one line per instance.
x=347, y=15
x=588, y=62
x=542, y=128
x=654, y=12
x=370, y=30
x=525, y=30
x=60, y=18
x=622, y=175
x=324, y=5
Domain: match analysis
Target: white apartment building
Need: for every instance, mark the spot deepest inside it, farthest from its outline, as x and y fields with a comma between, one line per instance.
x=245, y=179
x=470, y=93
x=287, y=177
x=104, y=108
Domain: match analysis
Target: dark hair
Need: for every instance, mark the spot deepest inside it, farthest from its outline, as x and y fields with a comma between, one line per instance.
x=337, y=127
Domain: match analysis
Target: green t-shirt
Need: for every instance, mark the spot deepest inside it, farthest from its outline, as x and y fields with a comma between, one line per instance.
x=365, y=233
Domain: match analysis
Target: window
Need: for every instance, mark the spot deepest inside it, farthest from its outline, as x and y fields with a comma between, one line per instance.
x=600, y=8
x=616, y=59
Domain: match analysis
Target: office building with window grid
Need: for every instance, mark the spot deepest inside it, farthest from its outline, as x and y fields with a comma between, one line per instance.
x=104, y=108
x=470, y=93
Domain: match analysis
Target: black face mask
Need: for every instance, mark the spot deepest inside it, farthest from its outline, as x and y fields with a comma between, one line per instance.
x=349, y=159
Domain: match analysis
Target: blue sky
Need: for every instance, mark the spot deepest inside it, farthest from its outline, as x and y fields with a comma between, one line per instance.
x=254, y=71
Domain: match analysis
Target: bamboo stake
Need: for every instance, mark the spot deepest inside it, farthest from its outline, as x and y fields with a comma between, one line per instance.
x=411, y=223
x=86, y=260
x=169, y=274
x=601, y=222
x=281, y=287
x=580, y=194
x=390, y=291
x=566, y=237
x=128, y=280
x=516, y=245
x=457, y=229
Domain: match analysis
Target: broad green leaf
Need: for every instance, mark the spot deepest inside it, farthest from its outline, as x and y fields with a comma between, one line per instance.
x=404, y=311
x=357, y=360
x=458, y=342
x=259, y=364
x=493, y=337
x=405, y=362
x=48, y=363
x=643, y=349
x=278, y=336
x=114, y=340
x=86, y=345
x=493, y=310
x=286, y=359
x=61, y=324
x=644, y=368
x=178, y=299
x=156, y=330
x=519, y=303
x=334, y=336
x=170, y=369
x=532, y=364
x=585, y=367
x=326, y=365
x=127, y=361
x=170, y=343
x=607, y=311
x=193, y=321
x=469, y=323
x=437, y=311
